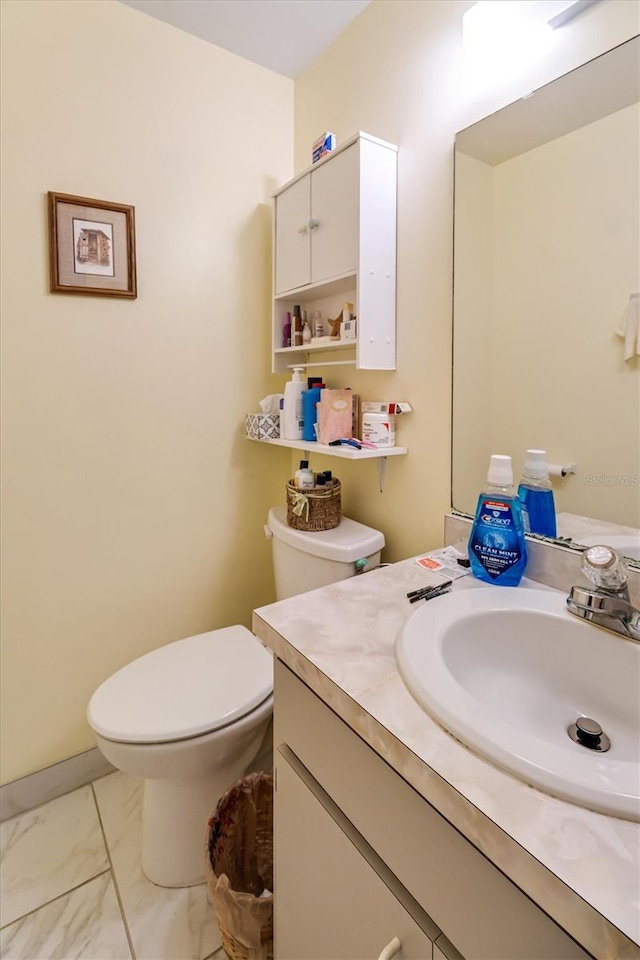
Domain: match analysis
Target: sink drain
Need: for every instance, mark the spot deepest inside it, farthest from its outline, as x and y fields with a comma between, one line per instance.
x=588, y=733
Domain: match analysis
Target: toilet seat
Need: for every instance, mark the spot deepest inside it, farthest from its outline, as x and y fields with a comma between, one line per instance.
x=184, y=689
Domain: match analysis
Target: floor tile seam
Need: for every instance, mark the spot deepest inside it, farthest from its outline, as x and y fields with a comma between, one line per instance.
x=59, y=896
x=114, y=878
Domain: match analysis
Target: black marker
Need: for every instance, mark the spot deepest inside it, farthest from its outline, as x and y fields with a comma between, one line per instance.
x=427, y=591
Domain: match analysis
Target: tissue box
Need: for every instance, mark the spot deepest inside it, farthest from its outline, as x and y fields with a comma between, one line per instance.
x=262, y=426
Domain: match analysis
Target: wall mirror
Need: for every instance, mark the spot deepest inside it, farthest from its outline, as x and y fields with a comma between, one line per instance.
x=546, y=266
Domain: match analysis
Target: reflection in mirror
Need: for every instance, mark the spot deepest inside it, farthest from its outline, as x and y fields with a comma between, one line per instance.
x=547, y=276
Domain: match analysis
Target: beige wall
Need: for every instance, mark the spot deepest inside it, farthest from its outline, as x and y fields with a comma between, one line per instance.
x=133, y=507
x=398, y=73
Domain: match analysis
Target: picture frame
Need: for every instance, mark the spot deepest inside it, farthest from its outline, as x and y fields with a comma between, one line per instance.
x=92, y=246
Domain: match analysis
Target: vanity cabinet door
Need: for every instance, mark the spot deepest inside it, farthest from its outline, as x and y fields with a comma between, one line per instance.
x=330, y=901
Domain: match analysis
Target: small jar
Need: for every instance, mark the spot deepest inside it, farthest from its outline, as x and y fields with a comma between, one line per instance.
x=317, y=326
x=379, y=428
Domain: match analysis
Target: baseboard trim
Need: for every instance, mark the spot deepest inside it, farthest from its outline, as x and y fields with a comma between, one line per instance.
x=51, y=782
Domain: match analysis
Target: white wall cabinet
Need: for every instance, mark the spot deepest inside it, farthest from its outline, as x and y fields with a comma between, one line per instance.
x=451, y=892
x=335, y=242
x=317, y=223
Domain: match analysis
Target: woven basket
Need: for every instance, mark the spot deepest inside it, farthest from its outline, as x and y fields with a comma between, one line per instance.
x=239, y=858
x=314, y=510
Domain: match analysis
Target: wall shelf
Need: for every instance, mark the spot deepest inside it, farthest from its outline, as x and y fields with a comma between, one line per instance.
x=322, y=363
x=340, y=284
x=313, y=347
x=346, y=453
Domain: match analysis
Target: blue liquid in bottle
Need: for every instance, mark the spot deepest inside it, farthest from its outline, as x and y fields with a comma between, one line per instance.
x=310, y=401
x=538, y=510
x=497, y=547
x=536, y=495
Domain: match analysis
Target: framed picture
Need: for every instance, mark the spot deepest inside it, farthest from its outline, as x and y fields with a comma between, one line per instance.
x=92, y=246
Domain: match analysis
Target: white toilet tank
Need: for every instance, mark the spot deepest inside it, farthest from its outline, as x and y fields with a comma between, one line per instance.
x=305, y=561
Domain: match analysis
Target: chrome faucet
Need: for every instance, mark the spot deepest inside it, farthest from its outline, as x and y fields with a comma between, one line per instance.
x=607, y=603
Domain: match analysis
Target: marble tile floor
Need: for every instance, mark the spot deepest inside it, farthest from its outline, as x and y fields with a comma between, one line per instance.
x=72, y=886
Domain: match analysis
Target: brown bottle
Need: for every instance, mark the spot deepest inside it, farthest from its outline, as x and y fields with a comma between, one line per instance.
x=297, y=327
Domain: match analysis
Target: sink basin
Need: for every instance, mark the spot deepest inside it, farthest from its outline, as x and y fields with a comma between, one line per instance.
x=627, y=545
x=508, y=670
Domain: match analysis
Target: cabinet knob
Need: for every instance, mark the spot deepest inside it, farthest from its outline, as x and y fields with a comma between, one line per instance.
x=313, y=224
x=302, y=229
x=394, y=946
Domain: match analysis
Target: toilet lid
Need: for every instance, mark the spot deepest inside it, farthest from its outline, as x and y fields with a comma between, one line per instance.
x=184, y=689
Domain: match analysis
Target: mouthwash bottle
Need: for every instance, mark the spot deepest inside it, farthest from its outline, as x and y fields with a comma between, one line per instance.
x=536, y=495
x=497, y=548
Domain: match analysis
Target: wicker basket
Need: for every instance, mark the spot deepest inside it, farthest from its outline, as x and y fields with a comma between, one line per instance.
x=314, y=510
x=239, y=858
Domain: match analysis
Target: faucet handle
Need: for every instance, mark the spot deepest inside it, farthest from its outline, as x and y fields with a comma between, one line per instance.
x=605, y=568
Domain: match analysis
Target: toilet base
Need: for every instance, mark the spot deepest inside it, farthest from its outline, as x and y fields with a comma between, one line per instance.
x=175, y=818
x=183, y=781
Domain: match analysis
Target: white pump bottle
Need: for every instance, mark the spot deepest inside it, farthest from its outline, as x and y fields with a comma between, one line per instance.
x=292, y=418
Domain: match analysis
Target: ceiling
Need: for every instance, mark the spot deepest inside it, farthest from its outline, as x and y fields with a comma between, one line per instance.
x=283, y=35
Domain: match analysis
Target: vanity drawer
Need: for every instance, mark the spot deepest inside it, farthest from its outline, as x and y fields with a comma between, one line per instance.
x=335, y=897
x=482, y=913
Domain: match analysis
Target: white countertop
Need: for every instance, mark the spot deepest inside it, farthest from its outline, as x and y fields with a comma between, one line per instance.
x=581, y=867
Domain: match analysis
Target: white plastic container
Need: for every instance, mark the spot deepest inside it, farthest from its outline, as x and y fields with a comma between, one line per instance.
x=303, y=477
x=379, y=428
x=303, y=561
x=292, y=419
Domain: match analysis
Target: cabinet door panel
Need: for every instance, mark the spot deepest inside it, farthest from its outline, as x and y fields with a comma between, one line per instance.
x=329, y=902
x=335, y=208
x=293, y=250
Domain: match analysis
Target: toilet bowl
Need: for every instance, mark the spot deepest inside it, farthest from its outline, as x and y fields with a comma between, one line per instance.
x=190, y=717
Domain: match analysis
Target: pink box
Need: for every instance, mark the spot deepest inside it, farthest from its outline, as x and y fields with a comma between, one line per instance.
x=335, y=412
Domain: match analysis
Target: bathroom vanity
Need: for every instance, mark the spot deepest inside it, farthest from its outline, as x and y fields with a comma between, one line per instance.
x=387, y=827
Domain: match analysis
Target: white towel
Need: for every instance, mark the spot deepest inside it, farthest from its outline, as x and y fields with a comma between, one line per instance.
x=629, y=327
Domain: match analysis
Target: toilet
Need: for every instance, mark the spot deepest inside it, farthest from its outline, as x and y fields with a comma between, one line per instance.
x=191, y=716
